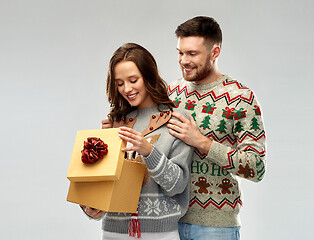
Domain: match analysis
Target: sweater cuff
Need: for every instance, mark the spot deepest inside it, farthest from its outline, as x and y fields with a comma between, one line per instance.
x=153, y=159
x=216, y=151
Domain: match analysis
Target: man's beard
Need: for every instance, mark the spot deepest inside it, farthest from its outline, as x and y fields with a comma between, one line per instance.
x=199, y=75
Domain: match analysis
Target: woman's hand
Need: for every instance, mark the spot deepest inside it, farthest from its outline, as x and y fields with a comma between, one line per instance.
x=140, y=144
x=92, y=212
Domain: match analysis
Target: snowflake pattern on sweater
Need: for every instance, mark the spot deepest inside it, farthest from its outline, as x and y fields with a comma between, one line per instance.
x=228, y=113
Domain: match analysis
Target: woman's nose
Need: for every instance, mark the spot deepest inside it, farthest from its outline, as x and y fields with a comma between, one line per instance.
x=127, y=87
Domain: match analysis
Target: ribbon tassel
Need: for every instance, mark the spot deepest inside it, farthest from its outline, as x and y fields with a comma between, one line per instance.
x=134, y=226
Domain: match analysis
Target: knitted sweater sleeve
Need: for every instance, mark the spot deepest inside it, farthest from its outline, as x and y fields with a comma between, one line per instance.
x=247, y=158
x=171, y=172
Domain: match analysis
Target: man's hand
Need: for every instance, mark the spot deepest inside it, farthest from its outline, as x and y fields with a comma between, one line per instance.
x=106, y=123
x=188, y=132
x=92, y=212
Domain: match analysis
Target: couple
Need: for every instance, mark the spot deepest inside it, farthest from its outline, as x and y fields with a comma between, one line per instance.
x=214, y=137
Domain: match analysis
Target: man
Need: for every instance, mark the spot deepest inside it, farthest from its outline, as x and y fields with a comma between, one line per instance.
x=225, y=128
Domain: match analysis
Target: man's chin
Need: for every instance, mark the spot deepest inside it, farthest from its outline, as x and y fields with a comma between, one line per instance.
x=188, y=77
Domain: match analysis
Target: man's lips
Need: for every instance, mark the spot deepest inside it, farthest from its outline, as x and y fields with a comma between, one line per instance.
x=188, y=69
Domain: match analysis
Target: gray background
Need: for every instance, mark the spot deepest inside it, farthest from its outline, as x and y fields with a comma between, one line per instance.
x=53, y=62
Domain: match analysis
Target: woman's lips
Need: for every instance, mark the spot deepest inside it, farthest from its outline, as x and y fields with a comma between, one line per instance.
x=132, y=96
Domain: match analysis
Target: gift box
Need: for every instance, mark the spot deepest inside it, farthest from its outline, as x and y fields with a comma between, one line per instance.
x=112, y=183
x=107, y=168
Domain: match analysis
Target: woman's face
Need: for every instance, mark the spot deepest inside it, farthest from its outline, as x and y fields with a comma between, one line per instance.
x=131, y=85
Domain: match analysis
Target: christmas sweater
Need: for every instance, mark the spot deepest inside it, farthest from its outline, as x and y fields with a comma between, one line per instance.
x=165, y=195
x=228, y=113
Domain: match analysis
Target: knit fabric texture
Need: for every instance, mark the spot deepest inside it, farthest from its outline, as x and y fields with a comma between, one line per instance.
x=164, y=198
x=228, y=113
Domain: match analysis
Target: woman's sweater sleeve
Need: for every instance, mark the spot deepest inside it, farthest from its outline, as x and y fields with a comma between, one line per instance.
x=172, y=172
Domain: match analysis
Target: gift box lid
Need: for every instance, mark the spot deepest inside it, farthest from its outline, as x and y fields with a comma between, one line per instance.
x=105, y=169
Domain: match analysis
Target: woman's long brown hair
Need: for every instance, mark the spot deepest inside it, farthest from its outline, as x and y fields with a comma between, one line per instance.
x=145, y=62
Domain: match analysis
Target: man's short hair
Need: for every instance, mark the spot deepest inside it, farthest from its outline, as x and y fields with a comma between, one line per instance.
x=201, y=26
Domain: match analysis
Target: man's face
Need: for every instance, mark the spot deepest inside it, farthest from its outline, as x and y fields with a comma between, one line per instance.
x=194, y=59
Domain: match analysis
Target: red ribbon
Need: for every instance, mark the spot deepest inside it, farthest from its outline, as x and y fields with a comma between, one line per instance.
x=94, y=150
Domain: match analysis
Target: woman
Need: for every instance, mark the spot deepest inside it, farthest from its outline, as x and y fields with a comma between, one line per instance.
x=140, y=107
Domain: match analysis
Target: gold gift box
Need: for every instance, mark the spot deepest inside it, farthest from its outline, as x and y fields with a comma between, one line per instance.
x=108, y=168
x=112, y=184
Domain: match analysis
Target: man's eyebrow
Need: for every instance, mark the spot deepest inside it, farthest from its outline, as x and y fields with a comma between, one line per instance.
x=188, y=51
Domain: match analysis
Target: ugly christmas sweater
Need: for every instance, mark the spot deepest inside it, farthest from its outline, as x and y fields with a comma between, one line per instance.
x=164, y=197
x=228, y=113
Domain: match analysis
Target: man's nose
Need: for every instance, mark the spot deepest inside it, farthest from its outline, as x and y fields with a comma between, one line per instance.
x=184, y=59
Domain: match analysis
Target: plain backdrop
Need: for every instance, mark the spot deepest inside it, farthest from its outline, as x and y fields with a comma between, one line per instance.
x=53, y=64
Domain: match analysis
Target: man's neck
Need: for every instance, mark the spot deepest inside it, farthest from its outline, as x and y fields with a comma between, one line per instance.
x=212, y=77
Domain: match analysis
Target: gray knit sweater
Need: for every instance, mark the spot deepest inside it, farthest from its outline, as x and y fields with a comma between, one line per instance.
x=165, y=196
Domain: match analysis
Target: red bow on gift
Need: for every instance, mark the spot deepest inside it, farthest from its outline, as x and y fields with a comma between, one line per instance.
x=94, y=150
